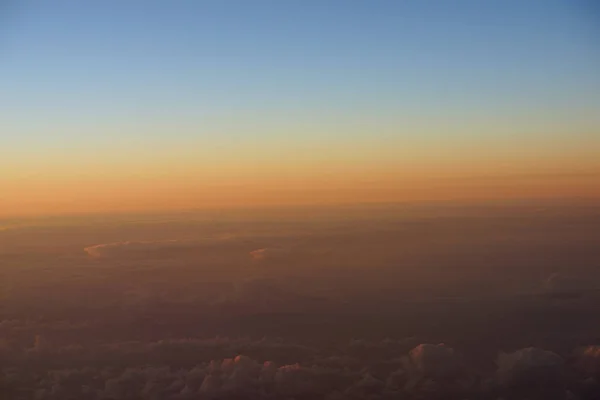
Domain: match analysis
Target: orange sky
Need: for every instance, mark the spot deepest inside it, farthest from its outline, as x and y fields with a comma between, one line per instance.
x=130, y=111
x=145, y=190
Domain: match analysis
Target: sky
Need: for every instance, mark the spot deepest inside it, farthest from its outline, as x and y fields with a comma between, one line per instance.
x=168, y=105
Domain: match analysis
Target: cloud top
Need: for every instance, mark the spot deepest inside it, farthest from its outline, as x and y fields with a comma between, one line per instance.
x=108, y=249
x=268, y=253
x=140, y=247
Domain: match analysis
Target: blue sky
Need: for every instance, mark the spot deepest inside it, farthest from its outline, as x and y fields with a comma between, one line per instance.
x=69, y=66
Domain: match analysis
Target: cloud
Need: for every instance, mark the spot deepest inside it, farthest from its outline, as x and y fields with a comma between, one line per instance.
x=141, y=247
x=248, y=376
x=588, y=360
x=435, y=361
x=111, y=249
x=237, y=375
x=527, y=366
x=268, y=253
x=366, y=386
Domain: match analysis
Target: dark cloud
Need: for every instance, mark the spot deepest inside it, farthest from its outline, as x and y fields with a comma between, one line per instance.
x=425, y=374
x=528, y=366
x=588, y=361
x=435, y=361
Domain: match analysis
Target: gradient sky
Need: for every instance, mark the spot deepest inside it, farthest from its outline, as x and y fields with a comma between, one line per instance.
x=140, y=105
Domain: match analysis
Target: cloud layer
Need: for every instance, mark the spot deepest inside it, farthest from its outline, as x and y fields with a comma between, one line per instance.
x=428, y=371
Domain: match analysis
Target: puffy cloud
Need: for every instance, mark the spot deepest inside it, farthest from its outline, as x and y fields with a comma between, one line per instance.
x=245, y=377
x=295, y=380
x=587, y=360
x=529, y=365
x=366, y=386
x=241, y=373
x=396, y=380
x=268, y=372
x=436, y=361
x=425, y=374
